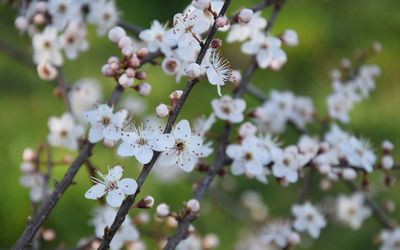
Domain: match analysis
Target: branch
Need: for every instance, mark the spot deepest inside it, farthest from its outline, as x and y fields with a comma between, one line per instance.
x=133, y=28
x=16, y=54
x=184, y=222
x=128, y=202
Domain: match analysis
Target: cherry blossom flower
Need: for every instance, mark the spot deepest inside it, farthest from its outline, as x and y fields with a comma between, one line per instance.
x=267, y=51
x=112, y=185
x=288, y=164
x=308, y=218
x=248, y=157
x=278, y=233
x=64, y=132
x=35, y=182
x=46, y=47
x=358, y=153
x=242, y=31
x=73, y=40
x=103, y=217
x=83, y=95
x=351, y=210
x=181, y=147
x=103, y=13
x=62, y=12
x=140, y=143
x=229, y=109
x=155, y=38
x=218, y=70
x=389, y=239
x=104, y=123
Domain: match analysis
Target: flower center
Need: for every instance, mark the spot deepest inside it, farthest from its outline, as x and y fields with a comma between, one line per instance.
x=63, y=133
x=141, y=141
x=180, y=145
x=111, y=185
x=248, y=156
x=309, y=217
x=105, y=120
x=62, y=8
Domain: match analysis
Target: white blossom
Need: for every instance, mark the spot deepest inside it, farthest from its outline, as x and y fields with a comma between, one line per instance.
x=308, y=218
x=288, y=164
x=229, y=109
x=351, y=210
x=104, y=123
x=112, y=185
x=64, y=132
x=390, y=239
x=73, y=40
x=46, y=47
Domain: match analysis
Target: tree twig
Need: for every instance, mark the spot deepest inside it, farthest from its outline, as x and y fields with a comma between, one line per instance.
x=128, y=202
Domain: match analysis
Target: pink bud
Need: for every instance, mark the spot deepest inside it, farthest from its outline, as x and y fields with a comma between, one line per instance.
x=134, y=62
x=108, y=143
x=162, y=110
x=29, y=155
x=245, y=15
x=247, y=129
x=124, y=41
x=162, y=210
x=39, y=19
x=130, y=72
x=127, y=50
x=201, y=4
x=387, y=162
x=116, y=33
x=210, y=241
x=146, y=202
x=142, y=52
x=125, y=81
x=144, y=89
x=176, y=95
x=21, y=23
x=221, y=22
x=140, y=75
x=193, y=205
x=46, y=71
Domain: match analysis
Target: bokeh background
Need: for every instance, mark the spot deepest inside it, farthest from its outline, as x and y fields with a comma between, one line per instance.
x=328, y=30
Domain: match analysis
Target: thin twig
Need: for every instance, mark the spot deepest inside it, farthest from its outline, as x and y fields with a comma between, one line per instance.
x=128, y=202
x=184, y=222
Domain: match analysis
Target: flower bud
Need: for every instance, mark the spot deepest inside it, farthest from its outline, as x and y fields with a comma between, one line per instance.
x=176, y=95
x=127, y=50
x=125, y=81
x=108, y=143
x=142, y=218
x=142, y=52
x=21, y=23
x=235, y=77
x=349, y=174
x=144, y=89
x=193, y=205
x=216, y=43
x=171, y=222
x=376, y=47
x=140, y=75
x=387, y=146
x=290, y=38
x=193, y=70
x=134, y=62
x=46, y=71
x=162, y=210
x=162, y=110
x=245, y=15
x=48, y=234
x=115, y=34
x=210, y=241
x=387, y=162
x=294, y=238
x=324, y=169
x=221, y=22
x=124, y=41
x=247, y=129
x=325, y=184
x=146, y=202
x=201, y=4
x=39, y=19
x=107, y=71
x=28, y=155
x=130, y=72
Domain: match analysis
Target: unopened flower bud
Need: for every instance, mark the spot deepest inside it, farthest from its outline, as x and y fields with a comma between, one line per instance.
x=124, y=42
x=235, y=77
x=127, y=50
x=349, y=174
x=162, y=110
x=294, y=238
x=216, y=43
x=107, y=71
x=376, y=47
x=247, y=129
x=112, y=59
x=142, y=218
x=130, y=72
x=146, y=202
x=387, y=162
x=21, y=23
x=324, y=169
x=41, y=6
x=140, y=75
x=193, y=205
x=221, y=22
x=39, y=19
x=115, y=34
x=125, y=81
x=48, y=234
x=387, y=146
x=46, y=71
x=193, y=70
x=176, y=95
x=325, y=184
x=28, y=155
x=144, y=89
x=134, y=62
x=162, y=210
x=142, y=52
x=290, y=38
x=109, y=143
x=201, y=4
x=210, y=241
x=171, y=222
x=245, y=15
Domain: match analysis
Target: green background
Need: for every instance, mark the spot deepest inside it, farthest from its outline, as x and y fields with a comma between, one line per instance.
x=328, y=30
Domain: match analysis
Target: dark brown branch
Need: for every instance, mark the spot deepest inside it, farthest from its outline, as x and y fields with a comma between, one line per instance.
x=16, y=54
x=133, y=28
x=378, y=212
x=63, y=87
x=220, y=159
x=128, y=202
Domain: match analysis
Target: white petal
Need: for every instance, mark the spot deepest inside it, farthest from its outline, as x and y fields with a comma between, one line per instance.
x=168, y=158
x=237, y=168
x=144, y=154
x=214, y=77
x=163, y=142
x=264, y=58
x=115, y=197
x=128, y=186
x=125, y=149
x=182, y=130
x=95, y=134
x=95, y=192
x=115, y=173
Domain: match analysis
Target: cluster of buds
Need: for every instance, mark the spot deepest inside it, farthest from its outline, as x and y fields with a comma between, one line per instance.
x=125, y=70
x=37, y=16
x=163, y=110
x=387, y=162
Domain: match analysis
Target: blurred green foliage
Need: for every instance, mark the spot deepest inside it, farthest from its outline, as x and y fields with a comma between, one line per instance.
x=328, y=31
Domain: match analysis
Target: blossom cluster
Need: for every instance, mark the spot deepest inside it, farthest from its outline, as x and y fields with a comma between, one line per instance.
x=60, y=25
